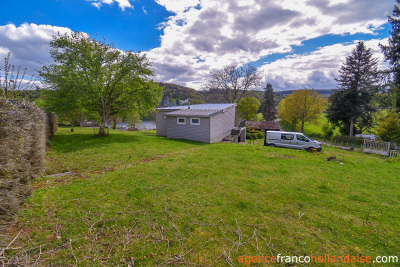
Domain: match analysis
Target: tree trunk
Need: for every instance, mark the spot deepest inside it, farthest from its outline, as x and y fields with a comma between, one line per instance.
x=302, y=126
x=102, y=131
x=352, y=126
x=114, y=123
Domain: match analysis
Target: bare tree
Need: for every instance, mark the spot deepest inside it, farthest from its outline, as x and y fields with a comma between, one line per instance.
x=233, y=82
x=13, y=80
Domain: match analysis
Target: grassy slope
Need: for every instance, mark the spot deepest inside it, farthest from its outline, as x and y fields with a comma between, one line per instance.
x=207, y=204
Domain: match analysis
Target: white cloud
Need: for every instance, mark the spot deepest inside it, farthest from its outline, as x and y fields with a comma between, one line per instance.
x=96, y=5
x=28, y=44
x=317, y=69
x=178, y=6
x=216, y=33
x=123, y=4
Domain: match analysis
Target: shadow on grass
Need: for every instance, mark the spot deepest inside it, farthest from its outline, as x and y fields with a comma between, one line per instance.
x=72, y=142
x=65, y=143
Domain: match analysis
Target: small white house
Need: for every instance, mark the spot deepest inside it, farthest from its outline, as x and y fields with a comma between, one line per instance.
x=207, y=123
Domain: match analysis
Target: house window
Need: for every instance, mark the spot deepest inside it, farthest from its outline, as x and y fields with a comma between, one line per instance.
x=195, y=121
x=181, y=120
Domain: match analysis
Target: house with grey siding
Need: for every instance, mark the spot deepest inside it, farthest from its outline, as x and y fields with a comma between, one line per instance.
x=207, y=123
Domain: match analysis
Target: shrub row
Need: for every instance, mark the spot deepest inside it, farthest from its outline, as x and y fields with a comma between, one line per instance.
x=254, y=134
x=23, y=131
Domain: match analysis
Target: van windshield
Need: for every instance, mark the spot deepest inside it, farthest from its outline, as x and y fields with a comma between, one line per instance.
x=301, y=137
x=309, y=137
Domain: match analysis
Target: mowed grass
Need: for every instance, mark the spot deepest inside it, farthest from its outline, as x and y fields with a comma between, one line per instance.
x=143, y=199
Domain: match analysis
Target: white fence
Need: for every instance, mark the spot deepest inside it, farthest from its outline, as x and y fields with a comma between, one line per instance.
x=376, y=147
x=394, y=153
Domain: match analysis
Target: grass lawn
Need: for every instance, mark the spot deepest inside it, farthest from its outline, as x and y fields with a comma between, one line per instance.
x=138, y=198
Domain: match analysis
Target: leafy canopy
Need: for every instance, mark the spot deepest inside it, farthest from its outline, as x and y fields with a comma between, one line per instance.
x=248, y=107
x=301, y=106
x=389, y=128
x=93, y=76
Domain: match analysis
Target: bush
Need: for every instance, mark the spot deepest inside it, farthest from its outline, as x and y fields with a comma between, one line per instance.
x=22, y=153
x=327, y=131
x=357, y=141
x=254, y=134
x=389, y=128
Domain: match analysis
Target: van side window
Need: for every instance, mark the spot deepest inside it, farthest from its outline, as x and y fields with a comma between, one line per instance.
x=301, y=138
x=287, y=136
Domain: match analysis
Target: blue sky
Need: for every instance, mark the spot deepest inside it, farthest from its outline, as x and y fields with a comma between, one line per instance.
x=296, y=43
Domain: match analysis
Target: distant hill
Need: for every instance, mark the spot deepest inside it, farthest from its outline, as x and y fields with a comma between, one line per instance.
x=323, y=92
x=173, y=93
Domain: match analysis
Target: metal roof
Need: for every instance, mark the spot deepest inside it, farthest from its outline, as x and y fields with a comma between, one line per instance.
x=193, y=112
x=201, y=106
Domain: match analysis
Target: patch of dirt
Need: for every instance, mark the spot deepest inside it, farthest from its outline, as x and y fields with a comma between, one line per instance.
x=154, y=158
x=280, y=156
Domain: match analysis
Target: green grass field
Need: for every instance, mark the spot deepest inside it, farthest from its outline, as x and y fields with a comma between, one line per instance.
x=138, y=198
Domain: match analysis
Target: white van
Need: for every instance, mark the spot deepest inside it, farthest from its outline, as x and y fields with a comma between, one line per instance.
x=291, y=140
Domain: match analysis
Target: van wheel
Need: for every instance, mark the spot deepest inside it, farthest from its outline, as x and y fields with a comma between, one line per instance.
x=308, y=149
x=273, y=145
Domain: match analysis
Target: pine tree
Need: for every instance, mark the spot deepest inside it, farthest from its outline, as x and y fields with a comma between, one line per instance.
x=268, y=106
x=392, y=55
x=357, y=83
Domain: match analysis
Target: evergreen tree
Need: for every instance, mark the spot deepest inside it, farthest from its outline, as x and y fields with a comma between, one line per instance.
x=392, y=54
x=351, y=103
x=268, y=105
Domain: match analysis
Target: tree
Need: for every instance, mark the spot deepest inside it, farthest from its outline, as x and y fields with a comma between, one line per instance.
x=99, y=77
x=233, y=82
x=389, y=128
x=268, y=105
x=301, y=106
x=13, y=85
x=392, y=54
x=248, y=107
x=357, y=83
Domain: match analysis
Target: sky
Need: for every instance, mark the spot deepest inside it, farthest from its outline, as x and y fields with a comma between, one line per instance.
x=295, y=43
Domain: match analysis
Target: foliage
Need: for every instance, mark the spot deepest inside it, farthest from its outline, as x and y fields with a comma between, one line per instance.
x=94, y=76
x=351, y=105
x=253, y=134
x=68, y=108
x=13, y=85
x=174, y=93
x=234, y=82
x=176, y=202
x=132, y=118
x=301, y=106
x=392, y=54
x=268, y=104
x=389, y=128
x=327, y=131
x=248, y=107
